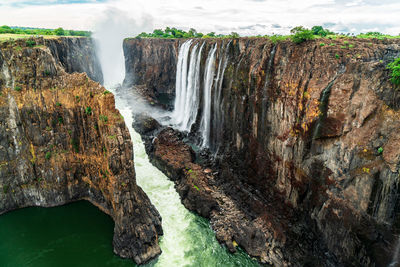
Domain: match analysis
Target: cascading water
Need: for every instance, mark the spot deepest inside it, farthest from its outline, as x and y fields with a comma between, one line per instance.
x=181, y=84
x=188, y=92
x=188, y=239
x=187, y=86
x=217, y=114
x=208, y=82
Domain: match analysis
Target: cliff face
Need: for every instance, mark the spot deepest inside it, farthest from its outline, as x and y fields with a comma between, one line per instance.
x=306, y=146
x=150, y=66
x=62, y=140
x=76, y=55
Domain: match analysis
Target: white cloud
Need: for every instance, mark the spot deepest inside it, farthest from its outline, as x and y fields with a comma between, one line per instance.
x=221, y=15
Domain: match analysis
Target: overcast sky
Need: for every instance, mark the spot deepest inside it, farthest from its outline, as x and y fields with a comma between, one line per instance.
x=247, y=17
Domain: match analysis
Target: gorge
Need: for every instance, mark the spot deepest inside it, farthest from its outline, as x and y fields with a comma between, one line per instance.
x=291, y=151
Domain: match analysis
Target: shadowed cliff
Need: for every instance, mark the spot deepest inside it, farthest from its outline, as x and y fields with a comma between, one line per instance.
x=304, y=143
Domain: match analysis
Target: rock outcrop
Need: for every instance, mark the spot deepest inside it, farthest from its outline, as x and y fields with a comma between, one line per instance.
x=150, y=66
x=62, y=140
x=305, y=155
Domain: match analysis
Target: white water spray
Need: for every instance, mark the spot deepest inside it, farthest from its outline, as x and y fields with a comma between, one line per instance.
x=208, y=82
x=110, y=30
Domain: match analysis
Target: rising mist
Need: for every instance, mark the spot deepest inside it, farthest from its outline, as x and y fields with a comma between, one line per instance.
x=110, y=30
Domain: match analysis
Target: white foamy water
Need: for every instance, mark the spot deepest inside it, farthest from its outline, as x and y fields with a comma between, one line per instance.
x=188, y=239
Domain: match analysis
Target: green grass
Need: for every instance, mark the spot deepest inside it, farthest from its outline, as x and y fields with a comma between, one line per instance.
x=11, y=36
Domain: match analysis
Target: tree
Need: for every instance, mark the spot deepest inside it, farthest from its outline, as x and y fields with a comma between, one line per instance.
x=301, y=34
x=59, y=31
x=394, y=68
x=234, y=35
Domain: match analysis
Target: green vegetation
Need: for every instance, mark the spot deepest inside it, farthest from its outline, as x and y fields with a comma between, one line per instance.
x=319, y=30
x=36, y=31
x=106, y=92
x=337, y=56
x=298, y=35
x=177, y=33
x=58, y=104
x=380, y=150
x=103, y=118
x=301, y=34
x=5, y=189
x=48, y=155
x=88, y=111
x=75, y=145
x=30, y=43
x=394, y=68
x=18, y=88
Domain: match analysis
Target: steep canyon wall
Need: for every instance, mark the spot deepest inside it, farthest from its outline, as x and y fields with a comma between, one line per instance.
x=306, y=136
x=62, y=140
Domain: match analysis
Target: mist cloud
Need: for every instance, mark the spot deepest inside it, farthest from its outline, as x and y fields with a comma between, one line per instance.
x=112, y=26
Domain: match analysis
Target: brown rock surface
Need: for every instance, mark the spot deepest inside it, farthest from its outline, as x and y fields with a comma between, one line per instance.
x=297, y=150
x=62, y=140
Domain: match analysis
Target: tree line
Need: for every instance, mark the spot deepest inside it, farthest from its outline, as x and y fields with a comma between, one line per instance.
x=38, y=31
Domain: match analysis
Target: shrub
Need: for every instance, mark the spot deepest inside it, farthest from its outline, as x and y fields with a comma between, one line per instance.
x=380, y=150
x=88, y=111
x=58, y=104
x=75, y=145
x=394, y=68
x=103, y=118
x=106, y=92
x=322, y=44
x=18, y=88
x=48, y=155
x=59, y=31
x=301, y=34
x=319, y=30
x=337, y=56
x=30, y=43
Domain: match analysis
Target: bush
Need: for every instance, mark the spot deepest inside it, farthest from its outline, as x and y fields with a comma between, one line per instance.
x=301, y=34
x=18, y=88
x=30, y=43
x=319, y=30
x=48, y=155
x=59, y=31
x=394, y=68
x=88, y=111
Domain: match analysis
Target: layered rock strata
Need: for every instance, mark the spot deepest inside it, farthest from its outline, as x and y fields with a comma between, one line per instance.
x=306, y=155
x=63, y=140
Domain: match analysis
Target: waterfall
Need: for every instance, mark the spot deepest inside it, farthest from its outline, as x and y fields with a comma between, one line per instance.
x=181, y=85
x=187, y=86
x=218, y=118
x=189, y=93
x=208, y=82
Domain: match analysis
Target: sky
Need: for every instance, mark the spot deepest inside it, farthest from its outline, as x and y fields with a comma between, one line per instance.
x=247, y=17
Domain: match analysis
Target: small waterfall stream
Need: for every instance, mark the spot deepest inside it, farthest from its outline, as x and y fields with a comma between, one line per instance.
x=208, y=82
